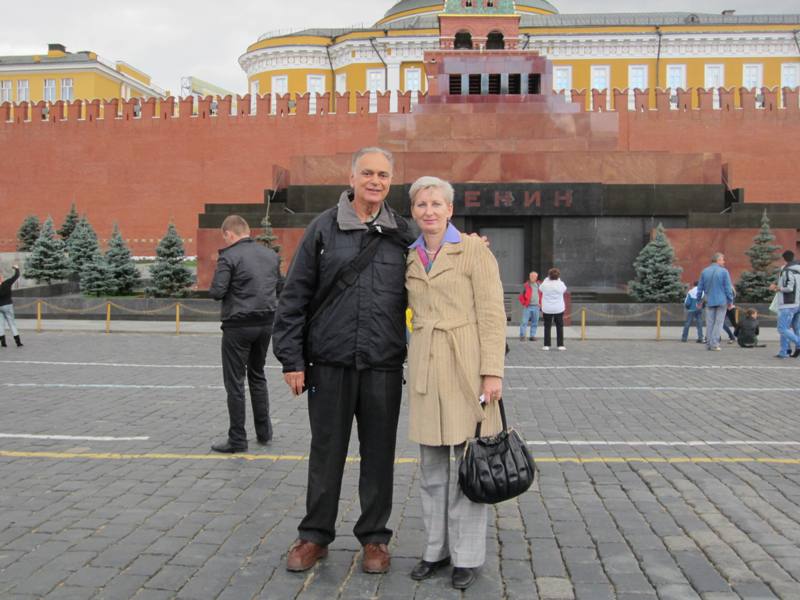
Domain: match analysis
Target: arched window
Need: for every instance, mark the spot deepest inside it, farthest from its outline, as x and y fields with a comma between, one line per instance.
x=495, y=41
x=463, y=41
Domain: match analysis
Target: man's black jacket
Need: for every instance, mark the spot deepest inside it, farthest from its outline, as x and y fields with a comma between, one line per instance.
x=364, y=327
x=247, y=280
x=5, y=288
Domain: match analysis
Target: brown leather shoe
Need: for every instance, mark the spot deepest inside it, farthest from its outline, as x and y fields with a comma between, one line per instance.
x=304, y=554
x=376, y=558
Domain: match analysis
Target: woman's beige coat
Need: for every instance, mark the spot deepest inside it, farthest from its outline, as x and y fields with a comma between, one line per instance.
x=459, y=335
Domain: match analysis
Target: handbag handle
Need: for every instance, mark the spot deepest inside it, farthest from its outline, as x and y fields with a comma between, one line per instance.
x=502, y=417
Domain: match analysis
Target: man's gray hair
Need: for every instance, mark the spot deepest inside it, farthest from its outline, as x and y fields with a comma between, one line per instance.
x=371, y=150
x=717, y=256
x=427, y=182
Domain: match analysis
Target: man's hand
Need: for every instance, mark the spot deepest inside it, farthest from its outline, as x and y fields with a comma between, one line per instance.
x=484, y=239
x=15, y=267
x=491, y=388
x=295, y=380
x=773, y=287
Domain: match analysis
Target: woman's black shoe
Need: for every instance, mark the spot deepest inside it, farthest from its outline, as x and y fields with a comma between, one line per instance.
x=425, y=569
x=463, y=577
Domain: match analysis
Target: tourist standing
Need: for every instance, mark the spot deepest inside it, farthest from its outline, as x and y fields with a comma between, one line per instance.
x=247, y=280
x=529, y=299
x=349, y=354
x=456, y=359
x=7, y=309
x=693, y=315
x=715, y=291
x=788, y=289
x=553, y=307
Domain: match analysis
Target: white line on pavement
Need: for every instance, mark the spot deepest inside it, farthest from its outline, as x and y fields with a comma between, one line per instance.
x=118, y=386
x=517, y=367
x=87, y=438
x=661, y=443
x=646, y=388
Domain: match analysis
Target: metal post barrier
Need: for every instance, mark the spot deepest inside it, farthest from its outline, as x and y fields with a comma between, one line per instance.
x=38, y=316
x=737, y=314
x=658, y=324
x=108, y=317
x=178, y=318
x=583, y=324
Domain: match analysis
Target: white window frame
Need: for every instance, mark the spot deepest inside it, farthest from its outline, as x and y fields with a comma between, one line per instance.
x=415, y=90
x=341, y=83
x=67, y=87
x=314, y=84
x=23, y=91
x=631, y=84
x=707, y=81
x=277, y=81
x=49, y=90
x=562, y=72
x=605, y=72
x=255, y=86
x=790, y=76
x=676, y=78
x=758, y=83
x=5, y=91
x=374, y=86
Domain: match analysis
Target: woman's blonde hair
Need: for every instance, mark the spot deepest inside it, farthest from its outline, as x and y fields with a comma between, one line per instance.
x=427, y=182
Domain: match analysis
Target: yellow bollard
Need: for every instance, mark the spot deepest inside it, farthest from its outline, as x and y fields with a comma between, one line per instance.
x=658, y=324
x=583, y=324
x=737, y=314
x=38, y=316
x=108, y=317
x=178, y=318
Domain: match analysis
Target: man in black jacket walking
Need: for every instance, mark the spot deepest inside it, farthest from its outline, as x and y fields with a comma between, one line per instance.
x=247, y=280
x=349, y=356
x=7, y=309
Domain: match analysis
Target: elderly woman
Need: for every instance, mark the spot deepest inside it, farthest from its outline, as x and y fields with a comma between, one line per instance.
x=456, y=358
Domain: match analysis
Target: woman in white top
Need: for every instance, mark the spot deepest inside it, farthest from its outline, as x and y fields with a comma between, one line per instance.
x=553, y=307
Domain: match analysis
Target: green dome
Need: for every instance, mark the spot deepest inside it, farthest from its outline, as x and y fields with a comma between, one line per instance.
x=406, y=5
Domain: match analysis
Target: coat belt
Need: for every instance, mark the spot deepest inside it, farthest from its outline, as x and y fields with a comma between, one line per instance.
x=424, y=330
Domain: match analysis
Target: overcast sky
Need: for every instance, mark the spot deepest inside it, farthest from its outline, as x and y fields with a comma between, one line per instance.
x=173, y=39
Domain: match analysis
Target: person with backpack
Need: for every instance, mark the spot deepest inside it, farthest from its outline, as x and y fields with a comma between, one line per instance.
x=694, y=315
x=788, y=289
x=530, y=301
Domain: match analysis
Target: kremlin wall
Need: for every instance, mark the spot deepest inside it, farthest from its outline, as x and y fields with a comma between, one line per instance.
x=553, y=175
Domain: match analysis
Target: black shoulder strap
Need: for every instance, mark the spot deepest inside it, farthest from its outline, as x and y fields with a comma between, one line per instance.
x=348, y=274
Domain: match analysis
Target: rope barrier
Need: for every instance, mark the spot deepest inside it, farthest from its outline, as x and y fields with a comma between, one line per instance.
x=213, y=313
x=133, y=311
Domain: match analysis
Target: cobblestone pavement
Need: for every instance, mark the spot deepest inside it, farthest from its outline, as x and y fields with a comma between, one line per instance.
x=666, y=471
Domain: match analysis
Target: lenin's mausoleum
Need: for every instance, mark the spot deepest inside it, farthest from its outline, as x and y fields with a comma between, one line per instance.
x=568, y=137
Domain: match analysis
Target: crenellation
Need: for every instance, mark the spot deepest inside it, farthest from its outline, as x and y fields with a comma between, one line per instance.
x=699, y=101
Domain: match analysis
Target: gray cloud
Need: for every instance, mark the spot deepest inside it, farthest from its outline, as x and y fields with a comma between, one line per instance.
x=169, y=40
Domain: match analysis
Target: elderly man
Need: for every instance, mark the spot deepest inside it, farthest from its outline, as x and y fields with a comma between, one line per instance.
x=529, y=298
x=339, y=332
x=715, y=291
x=247, y=280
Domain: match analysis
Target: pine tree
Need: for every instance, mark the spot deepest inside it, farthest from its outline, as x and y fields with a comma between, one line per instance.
x=170, y=277
x=96, y=276
x=124, y=274
x=28, y=233
x=70, y=222
x=657, y=277
x=268, y=237
x=81, y=246
x=754, y=285
x=47, y=261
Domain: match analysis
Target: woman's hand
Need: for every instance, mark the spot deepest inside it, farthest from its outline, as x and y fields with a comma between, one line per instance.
x=491, y=388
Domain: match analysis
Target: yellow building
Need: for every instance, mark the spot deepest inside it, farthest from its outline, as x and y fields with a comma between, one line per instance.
x=588, y=51
x=67, y=76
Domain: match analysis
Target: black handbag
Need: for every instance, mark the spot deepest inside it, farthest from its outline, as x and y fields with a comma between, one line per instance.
x=496, y=468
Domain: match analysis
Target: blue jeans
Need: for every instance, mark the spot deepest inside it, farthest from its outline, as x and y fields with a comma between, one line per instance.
x=786, y=323
x=693, y=316
x=715, y=319
x=530, y=316
x=7, y=318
